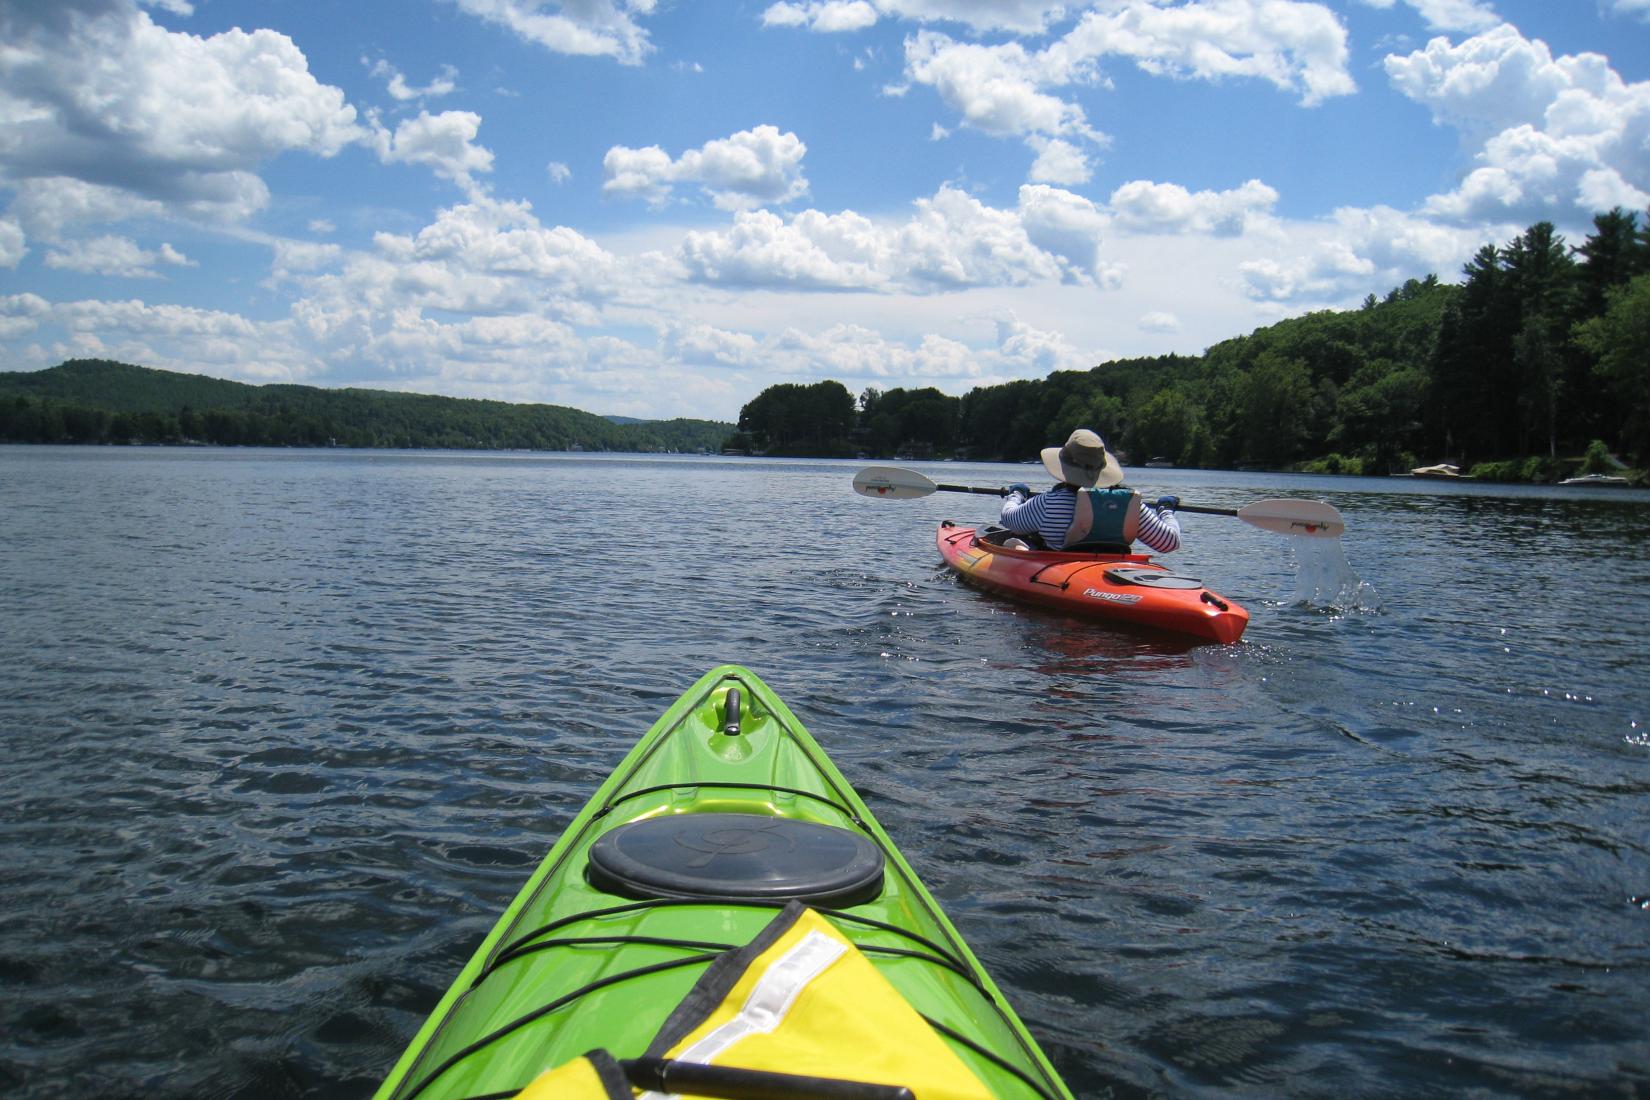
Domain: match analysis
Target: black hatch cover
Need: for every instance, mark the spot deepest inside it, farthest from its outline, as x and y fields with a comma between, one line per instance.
x=720, y=855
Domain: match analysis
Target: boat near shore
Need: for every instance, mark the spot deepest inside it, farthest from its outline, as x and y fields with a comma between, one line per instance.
x=1443, y=471
x=1600, y=480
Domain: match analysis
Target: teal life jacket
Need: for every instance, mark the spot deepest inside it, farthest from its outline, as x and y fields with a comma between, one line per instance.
x=1104, y=520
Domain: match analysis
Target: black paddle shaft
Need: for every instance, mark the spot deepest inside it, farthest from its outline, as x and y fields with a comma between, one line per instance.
x=1004, y=492
x=971, y=489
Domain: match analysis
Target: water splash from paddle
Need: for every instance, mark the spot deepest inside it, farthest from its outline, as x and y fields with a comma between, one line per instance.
x=1325, y=580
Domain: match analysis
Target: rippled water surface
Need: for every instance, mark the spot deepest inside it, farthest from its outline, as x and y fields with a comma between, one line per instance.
x=285, y=731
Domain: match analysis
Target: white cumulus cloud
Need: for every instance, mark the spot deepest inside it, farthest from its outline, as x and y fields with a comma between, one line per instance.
x=748, y=169
x=956, y=241
x=1009, y=90
x=1058, y=161
x=115, y=255
x=175, y=337
x=292, y=257
x=1358, y=251
x=859, y=353
x=998, y=89
x=20, y=314
x=444, y=143
x=584, y=28
x=707, y=345
x=109, y=100
x=1450, y=15
x=396, y=84
x=1296, y=46
x=810, y=251
x=1026, y=352
x=1067, y=227
x=486, y=240
x=1028, y=17
x=828, y=17
x=1555, y=133
x=951, y=241
x=1144, y=206
x=13, y=243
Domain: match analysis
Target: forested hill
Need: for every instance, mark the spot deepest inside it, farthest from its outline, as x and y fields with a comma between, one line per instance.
x=1538, y=359
x=98, y=401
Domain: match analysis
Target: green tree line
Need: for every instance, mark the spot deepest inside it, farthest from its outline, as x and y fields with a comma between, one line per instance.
x=1539, y=350
x=98, y=401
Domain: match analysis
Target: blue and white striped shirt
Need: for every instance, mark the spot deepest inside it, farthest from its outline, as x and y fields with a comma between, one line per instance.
x=1049, y=516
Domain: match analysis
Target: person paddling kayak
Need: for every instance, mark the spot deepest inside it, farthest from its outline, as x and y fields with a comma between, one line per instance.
x=1088, y=509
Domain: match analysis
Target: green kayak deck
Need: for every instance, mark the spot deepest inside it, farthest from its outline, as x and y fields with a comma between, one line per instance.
x=596, y=955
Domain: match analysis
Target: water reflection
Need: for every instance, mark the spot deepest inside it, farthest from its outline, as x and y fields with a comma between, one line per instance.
x=1062, y=646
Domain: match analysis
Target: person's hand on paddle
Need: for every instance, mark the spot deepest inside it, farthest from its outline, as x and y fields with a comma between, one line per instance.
x=1166, y=503
x=1020, y=487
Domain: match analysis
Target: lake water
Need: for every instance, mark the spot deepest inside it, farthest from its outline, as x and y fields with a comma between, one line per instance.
x=285, y=731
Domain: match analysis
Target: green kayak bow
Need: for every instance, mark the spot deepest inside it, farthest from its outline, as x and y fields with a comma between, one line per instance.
x=725, y=829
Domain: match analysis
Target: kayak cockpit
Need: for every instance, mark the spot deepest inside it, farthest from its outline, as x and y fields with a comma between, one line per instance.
x=1000, y=540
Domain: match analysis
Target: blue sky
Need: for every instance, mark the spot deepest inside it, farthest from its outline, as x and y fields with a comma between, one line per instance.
x=658, y=209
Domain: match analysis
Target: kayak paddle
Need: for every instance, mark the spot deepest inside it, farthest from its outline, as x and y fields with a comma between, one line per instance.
x=891, y=481
x=1284, y=515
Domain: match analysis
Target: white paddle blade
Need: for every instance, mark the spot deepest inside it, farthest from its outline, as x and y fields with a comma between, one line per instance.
x=892, y=482
x=1313, y=518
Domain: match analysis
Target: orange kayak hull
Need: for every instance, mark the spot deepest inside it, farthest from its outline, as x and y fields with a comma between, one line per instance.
x=1125, y=589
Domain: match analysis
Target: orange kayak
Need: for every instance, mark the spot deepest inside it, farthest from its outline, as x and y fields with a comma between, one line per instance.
x=1126, y=589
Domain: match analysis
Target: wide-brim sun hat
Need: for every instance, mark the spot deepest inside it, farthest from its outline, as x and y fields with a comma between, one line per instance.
x=1083, y=462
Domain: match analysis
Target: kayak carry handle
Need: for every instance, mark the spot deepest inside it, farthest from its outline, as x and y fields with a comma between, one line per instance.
x=730, y=713
x=735, y=1083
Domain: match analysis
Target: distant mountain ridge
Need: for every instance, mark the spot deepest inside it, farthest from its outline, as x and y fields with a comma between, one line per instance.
x=99, y=400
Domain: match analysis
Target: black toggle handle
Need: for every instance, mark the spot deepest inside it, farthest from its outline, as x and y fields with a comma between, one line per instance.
x=730, y=714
